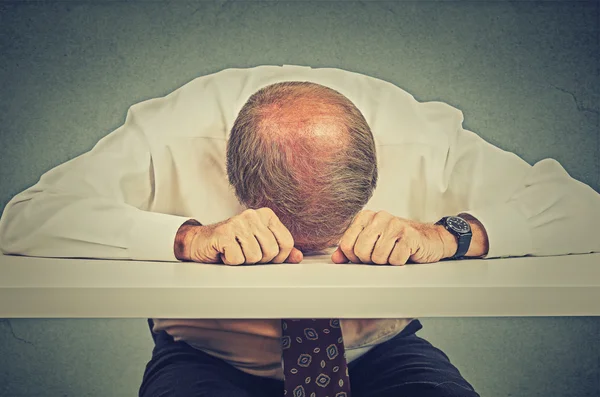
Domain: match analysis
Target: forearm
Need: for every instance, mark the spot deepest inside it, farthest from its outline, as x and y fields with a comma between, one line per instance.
x=552, y=214
x=62, y=225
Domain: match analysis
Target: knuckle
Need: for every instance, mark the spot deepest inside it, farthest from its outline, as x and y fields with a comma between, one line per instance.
x=267, y=258
x=266, y=211
x=378, y=260
x=286, y=249
x=396, y=262
x=346, y=247
x=362, y=215
x=253, y=257
x=383, y=214
x=234, y=222
x=249, y=213
x=270, y=253
x=242, y=226
x=233, y=260
x=286, y=246
x=396, y=223
x=379, y=257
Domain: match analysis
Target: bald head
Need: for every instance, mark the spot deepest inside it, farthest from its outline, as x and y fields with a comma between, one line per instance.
x=309, y=119
x=306, y=152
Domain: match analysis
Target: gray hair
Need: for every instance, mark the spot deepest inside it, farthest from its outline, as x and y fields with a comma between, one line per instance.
x=305, y=151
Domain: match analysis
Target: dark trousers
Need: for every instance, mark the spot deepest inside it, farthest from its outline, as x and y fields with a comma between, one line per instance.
x=404, y=366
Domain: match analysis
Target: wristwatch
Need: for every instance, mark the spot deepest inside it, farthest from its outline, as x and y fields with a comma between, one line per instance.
x=461, y=229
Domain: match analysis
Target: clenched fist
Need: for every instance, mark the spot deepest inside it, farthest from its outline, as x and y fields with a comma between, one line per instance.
x=254, y=236
x=381, y=238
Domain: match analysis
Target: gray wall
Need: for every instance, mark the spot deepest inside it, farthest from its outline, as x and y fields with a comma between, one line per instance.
x=524, y=73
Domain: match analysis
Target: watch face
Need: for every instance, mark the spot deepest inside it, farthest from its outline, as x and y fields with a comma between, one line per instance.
x=458, y=224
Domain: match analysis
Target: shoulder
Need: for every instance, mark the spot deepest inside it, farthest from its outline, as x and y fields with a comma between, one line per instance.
x=395, y=116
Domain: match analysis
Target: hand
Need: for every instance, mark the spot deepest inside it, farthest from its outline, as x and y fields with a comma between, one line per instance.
x=381, y=238
x=254, y=236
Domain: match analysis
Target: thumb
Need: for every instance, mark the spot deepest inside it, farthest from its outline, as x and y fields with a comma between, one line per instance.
x=339, y=257
x=295, y=256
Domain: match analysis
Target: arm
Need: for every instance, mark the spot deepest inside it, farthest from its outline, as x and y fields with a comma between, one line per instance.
x=95, y=205
x=514, y=209
x=524, y=209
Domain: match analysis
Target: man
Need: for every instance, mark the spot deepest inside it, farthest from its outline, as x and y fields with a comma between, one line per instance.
x=265, y=165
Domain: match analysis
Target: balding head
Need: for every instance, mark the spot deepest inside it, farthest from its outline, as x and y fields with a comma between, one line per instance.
x=306, y=152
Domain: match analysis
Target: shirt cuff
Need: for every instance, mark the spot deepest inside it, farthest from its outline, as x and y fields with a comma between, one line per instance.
x=153, y=236
x=507, y=230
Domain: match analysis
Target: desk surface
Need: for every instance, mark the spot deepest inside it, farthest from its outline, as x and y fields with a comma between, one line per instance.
x=530, y=286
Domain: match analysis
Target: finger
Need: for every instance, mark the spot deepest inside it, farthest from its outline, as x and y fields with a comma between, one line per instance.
x=232, y=254
x=282, y=235
x=365, y=243
x=380, y=227
x=250, y=247
x=400, y=253
x=348, y=241
x=339, y=257
x=267, y=241
x=295, y=256
x=383, y=249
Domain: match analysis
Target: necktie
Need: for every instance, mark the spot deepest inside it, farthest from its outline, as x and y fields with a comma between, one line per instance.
x=314, y=359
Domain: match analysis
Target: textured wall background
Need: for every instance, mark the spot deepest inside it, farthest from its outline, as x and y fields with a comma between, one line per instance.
x=525, y=74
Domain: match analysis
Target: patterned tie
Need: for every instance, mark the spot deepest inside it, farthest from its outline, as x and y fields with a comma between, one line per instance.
x=314, y=359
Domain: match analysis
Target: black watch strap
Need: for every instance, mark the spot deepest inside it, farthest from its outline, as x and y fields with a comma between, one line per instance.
x=464, y=241
x=463, y=238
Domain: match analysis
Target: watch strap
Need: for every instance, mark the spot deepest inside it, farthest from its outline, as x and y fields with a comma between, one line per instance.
x=463, y=239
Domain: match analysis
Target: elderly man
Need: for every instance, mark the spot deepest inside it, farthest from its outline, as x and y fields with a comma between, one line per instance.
x=265, y=165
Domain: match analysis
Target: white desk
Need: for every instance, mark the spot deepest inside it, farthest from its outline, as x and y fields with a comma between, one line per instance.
x=533, y=286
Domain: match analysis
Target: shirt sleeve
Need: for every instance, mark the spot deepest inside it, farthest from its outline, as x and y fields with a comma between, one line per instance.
x=526, y=210
x=94, y=206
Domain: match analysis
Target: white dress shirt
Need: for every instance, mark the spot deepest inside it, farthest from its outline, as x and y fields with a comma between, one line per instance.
x=126, y=198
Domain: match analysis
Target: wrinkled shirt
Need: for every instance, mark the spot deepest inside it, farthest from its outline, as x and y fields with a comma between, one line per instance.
x=127, y=197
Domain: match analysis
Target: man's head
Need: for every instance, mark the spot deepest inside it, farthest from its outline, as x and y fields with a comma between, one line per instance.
x=306, y=152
